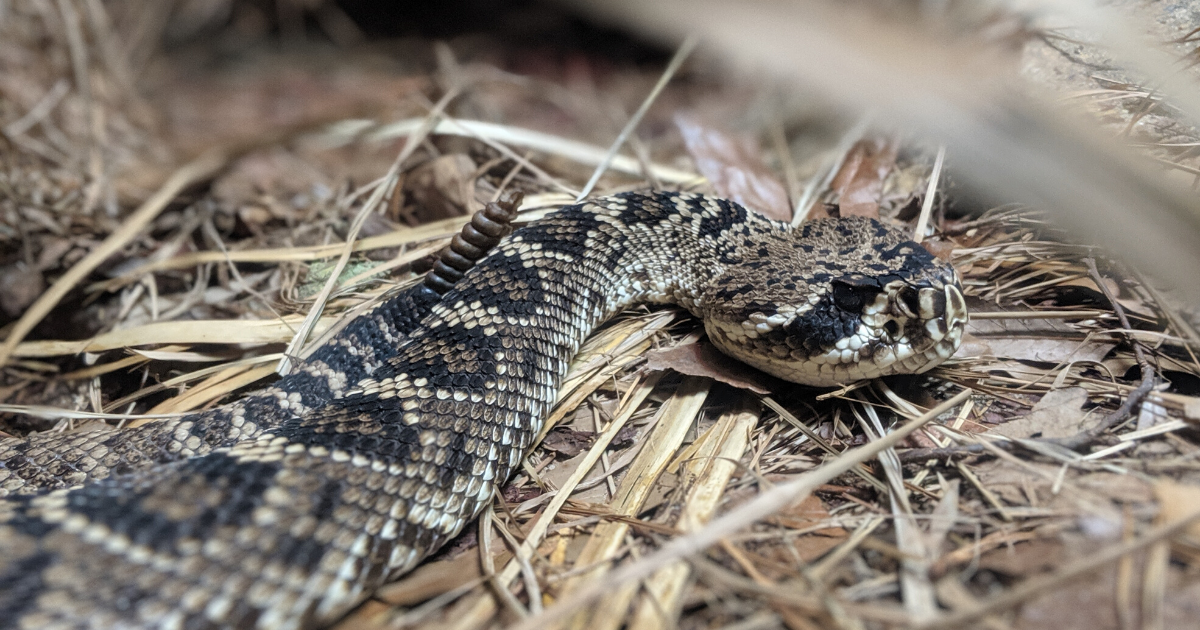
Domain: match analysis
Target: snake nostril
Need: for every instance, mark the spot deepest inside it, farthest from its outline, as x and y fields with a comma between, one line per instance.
x=892, y=328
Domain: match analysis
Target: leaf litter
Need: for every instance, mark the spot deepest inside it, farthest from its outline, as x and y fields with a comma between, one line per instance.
x=656, y=437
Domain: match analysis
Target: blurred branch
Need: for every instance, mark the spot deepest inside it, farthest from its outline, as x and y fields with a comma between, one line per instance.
x=1004, y=139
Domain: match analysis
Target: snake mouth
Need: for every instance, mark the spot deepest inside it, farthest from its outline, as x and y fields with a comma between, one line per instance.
x=945, y=328
x=920, y=328
x=907, y=328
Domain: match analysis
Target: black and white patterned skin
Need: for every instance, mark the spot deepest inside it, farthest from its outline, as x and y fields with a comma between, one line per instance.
x=287, y=508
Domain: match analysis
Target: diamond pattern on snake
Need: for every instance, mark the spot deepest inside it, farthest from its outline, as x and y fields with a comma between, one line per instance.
x=285, y=509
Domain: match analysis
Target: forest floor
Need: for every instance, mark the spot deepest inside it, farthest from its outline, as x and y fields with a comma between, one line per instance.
x=190, y=190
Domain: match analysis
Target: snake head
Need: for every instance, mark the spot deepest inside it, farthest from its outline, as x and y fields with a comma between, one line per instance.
x=868, y=303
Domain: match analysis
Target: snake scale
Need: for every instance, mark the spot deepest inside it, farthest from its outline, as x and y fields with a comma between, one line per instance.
x=288, y=507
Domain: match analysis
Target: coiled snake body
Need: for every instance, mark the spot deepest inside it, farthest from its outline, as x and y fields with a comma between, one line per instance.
x=286, y=508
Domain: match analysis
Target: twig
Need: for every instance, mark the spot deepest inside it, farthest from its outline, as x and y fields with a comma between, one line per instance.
x=198, y=170
x=948, y=452
x=1034, y=587
x=765, y=504
x=681, y=55
x=410, y=145
x=817, y=185
x=930, y=193
x=1083, y=438
x=1136, y=396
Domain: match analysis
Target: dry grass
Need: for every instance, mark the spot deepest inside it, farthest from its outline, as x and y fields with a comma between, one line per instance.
x=1051, y=462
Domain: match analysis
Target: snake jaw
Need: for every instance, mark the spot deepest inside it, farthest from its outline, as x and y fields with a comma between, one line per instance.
x=902, y=327
x=929, y=319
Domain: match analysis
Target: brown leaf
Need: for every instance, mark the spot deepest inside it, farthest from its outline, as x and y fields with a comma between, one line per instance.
x=557, y=473
x=1058, y=414
x=53, y=249
x=254, y=216
x=944, y=250
x=276, y=174
x=809, y=513
x=1177, y=501
x=733, y=165
x=973, y=346
x=1042, y=340
x=1121, y=488
x=1049, y=350
x=568, y=442
x=1014, y=483
x=441, y=188
x=703, y=359
x=859, y=182
x=1022, y=559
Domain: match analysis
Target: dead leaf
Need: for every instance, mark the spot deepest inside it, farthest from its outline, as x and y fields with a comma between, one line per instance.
x=1058, y=414
x=1023, y=559
x=944, y=250
x=568, y=442
x=859, y=182
x=810, y=513
x=1016, y=484
x=735, y=168
x=277, y=174
x=1177, y=501
x=441, y=188
x=1032, y=484
x=254, y=216
x=703, y=359
x=53, y=249
x=973, y=346
x=1049, y=350
x=1033, y=339
x=557, y=473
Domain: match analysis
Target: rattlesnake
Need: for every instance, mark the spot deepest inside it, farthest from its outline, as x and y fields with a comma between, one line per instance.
x=285, y=509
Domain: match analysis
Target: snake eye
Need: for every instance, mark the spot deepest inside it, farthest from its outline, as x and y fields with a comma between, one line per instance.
x=852, y=295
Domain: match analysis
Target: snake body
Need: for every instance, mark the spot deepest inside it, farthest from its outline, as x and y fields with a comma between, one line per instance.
x=286, y=508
